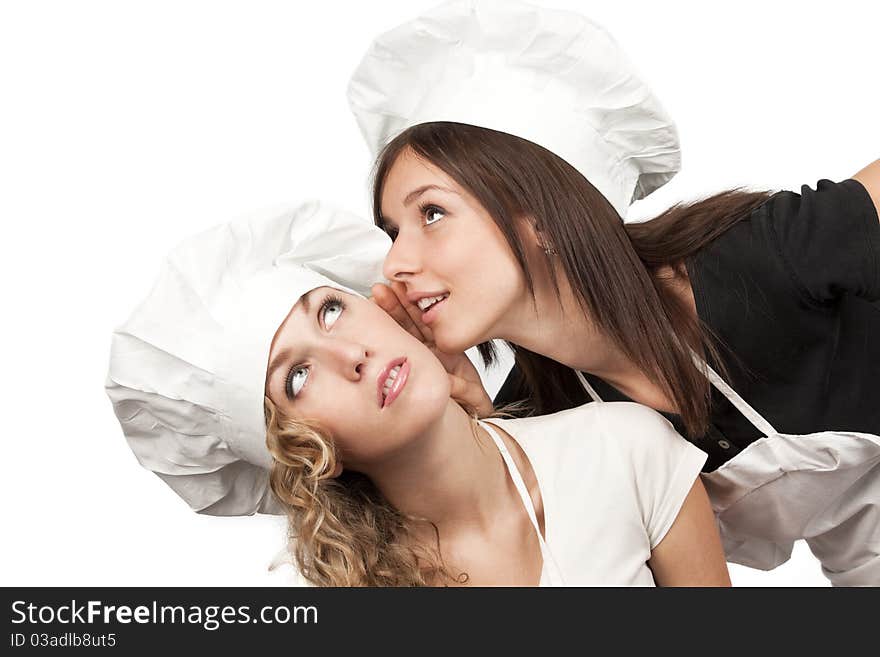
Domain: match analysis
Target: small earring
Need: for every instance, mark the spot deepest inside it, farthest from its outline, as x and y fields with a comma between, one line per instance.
x=549, y=250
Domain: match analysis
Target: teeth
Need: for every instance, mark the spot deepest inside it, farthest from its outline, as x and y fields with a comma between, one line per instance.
x=390, y=380
x=427, y=302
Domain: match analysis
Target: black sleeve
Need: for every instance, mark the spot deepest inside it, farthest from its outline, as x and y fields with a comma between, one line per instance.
x=829, y=239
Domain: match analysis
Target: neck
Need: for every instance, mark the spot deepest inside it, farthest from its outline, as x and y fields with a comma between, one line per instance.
x=554, y=325
x=453, y=475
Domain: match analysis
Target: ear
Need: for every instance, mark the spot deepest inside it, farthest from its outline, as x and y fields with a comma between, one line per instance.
x=528, y=230
x=532, y=235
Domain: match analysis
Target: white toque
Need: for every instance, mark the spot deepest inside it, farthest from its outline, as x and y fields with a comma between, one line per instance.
x=188, y=368
x=552, y=77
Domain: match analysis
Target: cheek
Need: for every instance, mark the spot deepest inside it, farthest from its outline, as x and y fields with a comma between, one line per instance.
x=479, y=257
x=451, y=255
x=481, y=263
x=485, y=280
x=332, y=402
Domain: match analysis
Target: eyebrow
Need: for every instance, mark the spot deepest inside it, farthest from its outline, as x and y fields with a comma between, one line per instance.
x=305, y=301
x=275, y=364
x=418, y=191
x=414, y=194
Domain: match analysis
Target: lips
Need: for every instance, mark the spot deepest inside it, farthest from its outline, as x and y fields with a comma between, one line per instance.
x=426, y=301
x=430, y=312
x=391, y=380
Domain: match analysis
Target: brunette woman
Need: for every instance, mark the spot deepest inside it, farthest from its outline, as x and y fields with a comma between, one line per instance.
x=510, y=140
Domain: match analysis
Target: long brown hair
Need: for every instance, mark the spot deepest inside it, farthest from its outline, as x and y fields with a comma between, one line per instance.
x=611, y=267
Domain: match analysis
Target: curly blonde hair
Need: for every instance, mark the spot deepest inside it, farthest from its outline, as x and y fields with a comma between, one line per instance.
x=341, y=530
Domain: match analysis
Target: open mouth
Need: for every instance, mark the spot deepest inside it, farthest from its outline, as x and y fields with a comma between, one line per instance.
x=391, y=381
x=427, y=302
x=430, y=305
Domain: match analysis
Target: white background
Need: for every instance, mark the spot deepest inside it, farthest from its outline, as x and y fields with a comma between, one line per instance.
x=125, y=126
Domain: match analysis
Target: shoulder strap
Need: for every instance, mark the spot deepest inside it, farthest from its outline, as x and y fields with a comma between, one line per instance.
x=552, y=569
x=516, y=476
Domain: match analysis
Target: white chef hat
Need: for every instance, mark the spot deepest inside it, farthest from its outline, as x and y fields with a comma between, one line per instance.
x=552, y=77
x=187, y=370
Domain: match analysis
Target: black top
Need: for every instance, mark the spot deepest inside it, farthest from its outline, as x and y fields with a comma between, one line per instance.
x=794, y=291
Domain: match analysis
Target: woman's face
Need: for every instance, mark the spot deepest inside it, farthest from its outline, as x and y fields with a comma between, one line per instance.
x=446, y=246
x=341, y=361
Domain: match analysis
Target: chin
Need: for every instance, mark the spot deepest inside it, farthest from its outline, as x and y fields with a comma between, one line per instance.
x=455, y=342
x=429, y=405
x=417, y=424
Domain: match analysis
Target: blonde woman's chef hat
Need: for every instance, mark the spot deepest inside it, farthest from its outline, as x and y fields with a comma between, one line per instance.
x=187, y=370
x=552, y=77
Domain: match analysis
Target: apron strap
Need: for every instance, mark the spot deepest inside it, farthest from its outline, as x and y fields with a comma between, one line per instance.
x=757, y=420
x=586, y=385
x=753, y=416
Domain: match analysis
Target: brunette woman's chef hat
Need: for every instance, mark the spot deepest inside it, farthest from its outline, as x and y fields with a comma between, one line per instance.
x=188, y=368
x=552, y=77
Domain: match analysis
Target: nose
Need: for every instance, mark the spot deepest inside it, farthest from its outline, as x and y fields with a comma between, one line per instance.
x=404, y=258
x=349, y=358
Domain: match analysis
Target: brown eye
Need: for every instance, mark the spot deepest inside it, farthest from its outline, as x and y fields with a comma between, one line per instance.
x=431, y=214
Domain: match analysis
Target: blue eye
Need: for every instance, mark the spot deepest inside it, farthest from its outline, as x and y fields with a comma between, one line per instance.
x=331, y=309
x=430, y=213
x=296, y=379
x=328, y=312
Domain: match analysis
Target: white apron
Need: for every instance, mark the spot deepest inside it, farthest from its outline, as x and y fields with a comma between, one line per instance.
x=822, y=487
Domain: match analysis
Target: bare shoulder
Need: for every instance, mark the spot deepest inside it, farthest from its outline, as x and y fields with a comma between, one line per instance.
x=870, y=179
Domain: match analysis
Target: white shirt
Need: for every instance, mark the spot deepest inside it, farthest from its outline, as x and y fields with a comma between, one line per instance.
x=613, y=477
